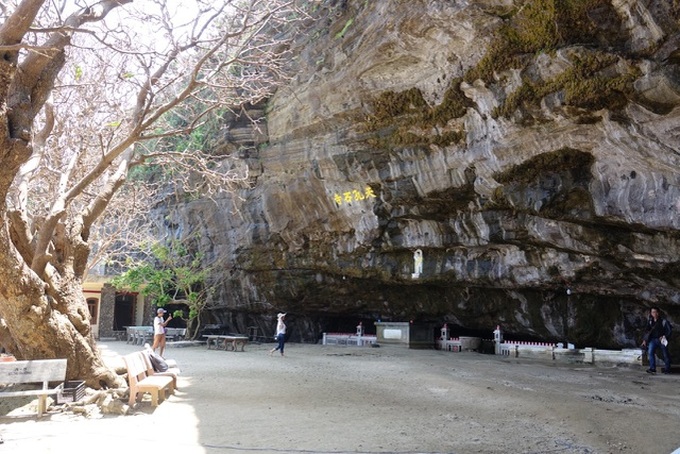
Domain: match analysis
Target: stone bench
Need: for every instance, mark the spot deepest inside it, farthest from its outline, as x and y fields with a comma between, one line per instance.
x=138, y=335
x=175, y=334
x=228, y=342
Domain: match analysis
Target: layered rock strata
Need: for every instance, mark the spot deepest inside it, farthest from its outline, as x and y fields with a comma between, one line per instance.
x=528, y=149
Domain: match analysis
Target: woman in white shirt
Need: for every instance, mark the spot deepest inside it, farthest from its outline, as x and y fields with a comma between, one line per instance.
x=159, y=330
x=280, y=333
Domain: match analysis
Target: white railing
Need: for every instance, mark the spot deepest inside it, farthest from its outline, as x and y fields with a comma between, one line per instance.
x=348, y=339
x=449, y=345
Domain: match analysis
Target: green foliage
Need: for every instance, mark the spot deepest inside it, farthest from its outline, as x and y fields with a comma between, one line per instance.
x=195, y=140
x=201, y=135
x=172, y=273
x=145, y=173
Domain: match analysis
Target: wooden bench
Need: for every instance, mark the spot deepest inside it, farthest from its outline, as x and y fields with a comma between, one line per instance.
x=34, y=371
x=228, y=342
x=173, y=371
x=142, y=380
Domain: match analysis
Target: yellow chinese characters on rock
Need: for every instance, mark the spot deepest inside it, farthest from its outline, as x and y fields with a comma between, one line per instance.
x=354, y=196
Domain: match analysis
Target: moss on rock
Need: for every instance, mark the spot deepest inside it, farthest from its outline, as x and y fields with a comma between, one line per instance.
x=583, y=85
x=531, y=28
x=407, y=120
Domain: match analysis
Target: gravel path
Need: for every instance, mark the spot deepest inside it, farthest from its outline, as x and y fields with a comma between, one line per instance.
x=336, y=400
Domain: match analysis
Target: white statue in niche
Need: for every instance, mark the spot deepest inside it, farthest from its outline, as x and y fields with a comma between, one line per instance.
x=417, y=264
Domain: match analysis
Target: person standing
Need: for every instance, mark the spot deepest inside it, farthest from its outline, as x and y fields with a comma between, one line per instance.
x=280, y=333
x=159, y=325
x=656, y=337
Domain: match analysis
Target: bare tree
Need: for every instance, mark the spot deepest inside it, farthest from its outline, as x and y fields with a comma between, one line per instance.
x=86, y=95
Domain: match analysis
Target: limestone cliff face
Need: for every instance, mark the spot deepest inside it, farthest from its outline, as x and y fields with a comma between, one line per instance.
x=529, y=149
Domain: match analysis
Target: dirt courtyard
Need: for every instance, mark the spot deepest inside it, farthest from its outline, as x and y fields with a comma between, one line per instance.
x=322, y=399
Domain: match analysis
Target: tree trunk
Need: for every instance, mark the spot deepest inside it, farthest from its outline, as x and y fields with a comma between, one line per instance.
x=44, y=240
x=43, y=312
x=46, y=326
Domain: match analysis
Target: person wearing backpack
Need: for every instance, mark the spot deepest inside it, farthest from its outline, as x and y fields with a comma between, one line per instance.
x=658, y=333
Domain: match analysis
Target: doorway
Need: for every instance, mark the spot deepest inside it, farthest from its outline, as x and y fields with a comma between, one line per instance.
x=124, y=311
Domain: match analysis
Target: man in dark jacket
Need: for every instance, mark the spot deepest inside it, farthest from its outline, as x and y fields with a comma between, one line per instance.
x=657, y=336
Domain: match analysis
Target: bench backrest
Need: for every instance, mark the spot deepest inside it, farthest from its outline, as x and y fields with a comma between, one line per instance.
x=33, y=371
x=143, y=329
x=136, y=367
x=147, y=363
x=139, y=366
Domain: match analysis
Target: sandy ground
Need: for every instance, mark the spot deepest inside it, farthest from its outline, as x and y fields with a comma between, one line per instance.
x=372, y=400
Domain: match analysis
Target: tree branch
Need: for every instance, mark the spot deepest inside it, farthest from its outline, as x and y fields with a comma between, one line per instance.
x=37, y=72
x=12, y=31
